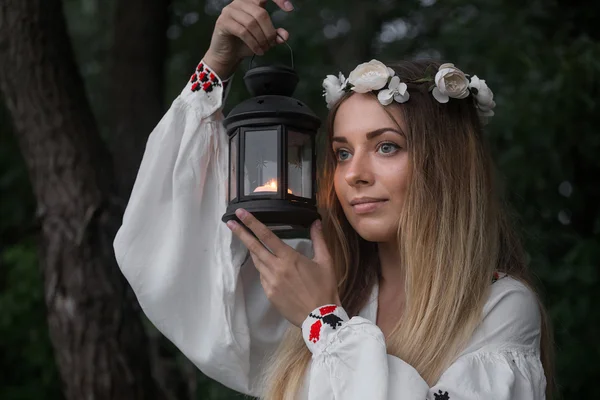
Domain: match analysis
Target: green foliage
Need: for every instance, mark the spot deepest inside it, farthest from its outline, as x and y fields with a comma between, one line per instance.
x=27, y=364
x=541, y=59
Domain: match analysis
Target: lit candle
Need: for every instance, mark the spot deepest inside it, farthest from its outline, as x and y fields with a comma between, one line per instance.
x=270, y=186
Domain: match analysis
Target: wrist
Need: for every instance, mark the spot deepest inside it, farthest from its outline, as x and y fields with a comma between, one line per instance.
x=223, y=69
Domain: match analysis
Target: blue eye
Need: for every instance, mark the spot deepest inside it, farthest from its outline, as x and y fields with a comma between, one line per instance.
x=337, y=154
x=388, y=144
x=381, y=146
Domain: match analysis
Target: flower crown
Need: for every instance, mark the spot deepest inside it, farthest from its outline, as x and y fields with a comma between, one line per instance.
x=449, y=81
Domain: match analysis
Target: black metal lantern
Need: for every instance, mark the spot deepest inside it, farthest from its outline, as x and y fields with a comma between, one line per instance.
x=272, y=156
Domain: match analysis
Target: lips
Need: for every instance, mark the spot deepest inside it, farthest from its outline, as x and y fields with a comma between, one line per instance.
x=362, y=208
x=365, y=200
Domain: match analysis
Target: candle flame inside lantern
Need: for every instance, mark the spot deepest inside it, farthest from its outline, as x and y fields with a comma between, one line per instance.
x=270, y=186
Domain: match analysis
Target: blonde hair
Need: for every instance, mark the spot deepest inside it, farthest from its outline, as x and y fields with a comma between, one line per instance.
x=455, y=232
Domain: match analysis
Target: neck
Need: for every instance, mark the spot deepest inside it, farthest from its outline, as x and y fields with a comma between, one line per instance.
x=391, y=266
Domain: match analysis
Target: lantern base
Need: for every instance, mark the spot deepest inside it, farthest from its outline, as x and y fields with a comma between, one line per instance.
x=285, y=219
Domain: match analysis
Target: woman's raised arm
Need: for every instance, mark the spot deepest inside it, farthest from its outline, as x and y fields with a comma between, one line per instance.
x=191, y=276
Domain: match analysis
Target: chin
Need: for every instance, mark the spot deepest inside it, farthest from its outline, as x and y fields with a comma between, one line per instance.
x=374, y=230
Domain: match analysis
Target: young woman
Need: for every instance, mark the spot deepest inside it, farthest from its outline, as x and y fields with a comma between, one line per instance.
x=414, y=287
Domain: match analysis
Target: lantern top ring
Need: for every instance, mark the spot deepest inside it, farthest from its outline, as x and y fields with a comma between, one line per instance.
x=284, y=42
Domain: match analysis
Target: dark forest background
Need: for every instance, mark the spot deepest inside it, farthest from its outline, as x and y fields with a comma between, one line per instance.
x=83, y=82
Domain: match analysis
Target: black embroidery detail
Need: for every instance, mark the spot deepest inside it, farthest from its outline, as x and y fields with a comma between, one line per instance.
x=441, y=396
x=330, y=319
x=333, y=320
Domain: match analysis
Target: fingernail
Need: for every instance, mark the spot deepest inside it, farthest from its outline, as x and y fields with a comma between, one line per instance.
x=231, y=224
x=241, y=213
x=288, y=6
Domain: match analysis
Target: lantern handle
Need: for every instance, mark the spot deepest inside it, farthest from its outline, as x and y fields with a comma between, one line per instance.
x=284, y=42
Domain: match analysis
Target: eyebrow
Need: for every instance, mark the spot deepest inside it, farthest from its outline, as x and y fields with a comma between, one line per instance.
x=370, y=135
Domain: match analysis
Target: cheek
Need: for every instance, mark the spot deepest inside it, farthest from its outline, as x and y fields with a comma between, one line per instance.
x=396, y=180
x=338, y=187
x=401, y=181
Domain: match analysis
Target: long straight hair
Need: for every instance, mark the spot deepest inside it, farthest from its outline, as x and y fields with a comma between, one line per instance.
x=454, y=232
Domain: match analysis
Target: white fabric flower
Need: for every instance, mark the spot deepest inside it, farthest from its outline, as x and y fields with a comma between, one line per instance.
x=370, y=76
x=334, y=88
x=373, y=76
x=450, y=82
x=484, y=97
x=396, y=91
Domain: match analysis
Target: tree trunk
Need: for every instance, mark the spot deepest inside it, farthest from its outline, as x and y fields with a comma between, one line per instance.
x=98, y=338
x=136, y=98
x=137, y=83
x=356, y=46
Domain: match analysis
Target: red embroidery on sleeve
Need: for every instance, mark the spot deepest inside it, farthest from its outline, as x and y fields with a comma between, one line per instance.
x=204, y=79
x=327, y=309
x=315, y=332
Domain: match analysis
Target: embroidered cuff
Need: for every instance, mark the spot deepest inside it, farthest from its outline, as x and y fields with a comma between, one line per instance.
x=205, y=88
x=321, y=323
x=204, y=79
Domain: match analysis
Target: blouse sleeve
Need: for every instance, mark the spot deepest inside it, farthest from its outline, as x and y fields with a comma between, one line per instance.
x=191, y=275
x=502, y=361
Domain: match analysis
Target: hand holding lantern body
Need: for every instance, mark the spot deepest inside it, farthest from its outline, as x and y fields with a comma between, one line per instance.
x=293, y=283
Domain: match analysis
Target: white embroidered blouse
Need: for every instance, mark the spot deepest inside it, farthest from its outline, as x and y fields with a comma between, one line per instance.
x=188, y=272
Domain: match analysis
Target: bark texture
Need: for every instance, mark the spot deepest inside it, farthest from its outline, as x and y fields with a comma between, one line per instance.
x=137, y=82
x=98, y=338
x=136, y=98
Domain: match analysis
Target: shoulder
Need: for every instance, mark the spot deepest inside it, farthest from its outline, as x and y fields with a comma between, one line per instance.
x=511, y=300
x=511, y=318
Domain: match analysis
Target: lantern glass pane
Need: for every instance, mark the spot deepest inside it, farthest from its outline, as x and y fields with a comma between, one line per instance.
x=299, y=164
x=233, y=161
x=260, y=163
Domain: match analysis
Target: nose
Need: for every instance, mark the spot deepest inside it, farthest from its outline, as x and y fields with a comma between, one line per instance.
x=358, y=170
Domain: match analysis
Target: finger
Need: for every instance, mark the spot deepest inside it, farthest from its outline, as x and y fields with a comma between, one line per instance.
x=241, y=12
x=264, y=21
x=282, y=35
x=264, y=234
x=252, y=244
x=285, y=5
x=239, y=30
x=265, y=273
